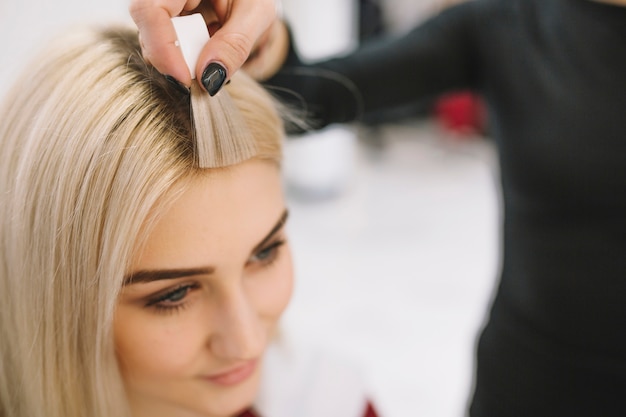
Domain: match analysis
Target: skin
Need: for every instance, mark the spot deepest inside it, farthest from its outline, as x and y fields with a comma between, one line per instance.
x=270, y=52
x=173, y=335
x=240, y=25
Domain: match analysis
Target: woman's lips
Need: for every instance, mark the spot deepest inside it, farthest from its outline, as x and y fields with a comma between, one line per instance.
x=234, y=375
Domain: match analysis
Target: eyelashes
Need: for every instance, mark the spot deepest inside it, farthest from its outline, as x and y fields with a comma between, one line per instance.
x=177, y=298
x=267, y=255
x=172, y=300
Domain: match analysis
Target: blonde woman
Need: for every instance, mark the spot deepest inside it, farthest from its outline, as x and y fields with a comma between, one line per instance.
x=144, y=262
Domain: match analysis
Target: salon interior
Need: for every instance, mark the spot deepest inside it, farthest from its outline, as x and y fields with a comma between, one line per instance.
x=393, y=222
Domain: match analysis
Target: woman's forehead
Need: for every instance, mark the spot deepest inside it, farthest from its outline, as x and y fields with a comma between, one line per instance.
x=218, y=217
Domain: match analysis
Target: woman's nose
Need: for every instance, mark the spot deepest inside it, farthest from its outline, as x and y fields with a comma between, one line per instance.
x=239, y=332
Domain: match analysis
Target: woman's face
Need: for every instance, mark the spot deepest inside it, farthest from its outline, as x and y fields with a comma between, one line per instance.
x=203, y=296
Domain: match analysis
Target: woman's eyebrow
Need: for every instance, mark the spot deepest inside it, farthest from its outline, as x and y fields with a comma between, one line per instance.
x=279, y=225
x=149, y=275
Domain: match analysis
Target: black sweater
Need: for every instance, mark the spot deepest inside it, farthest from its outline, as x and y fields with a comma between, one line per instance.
x=553, y=73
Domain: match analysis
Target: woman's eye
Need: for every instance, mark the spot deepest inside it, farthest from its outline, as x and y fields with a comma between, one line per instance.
x=171, y=300
x=176, y=295
x=268, y=254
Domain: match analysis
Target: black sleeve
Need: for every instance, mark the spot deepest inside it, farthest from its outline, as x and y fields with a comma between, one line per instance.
x=435, y=57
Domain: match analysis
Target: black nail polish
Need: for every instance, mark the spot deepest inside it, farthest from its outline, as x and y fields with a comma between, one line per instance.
x=182, y=88
x=213, y=78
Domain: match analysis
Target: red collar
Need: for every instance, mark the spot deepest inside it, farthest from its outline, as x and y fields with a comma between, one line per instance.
x=369, y=412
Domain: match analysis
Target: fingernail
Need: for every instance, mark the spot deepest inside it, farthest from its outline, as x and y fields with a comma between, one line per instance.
x=213, y=78
x=182, y=88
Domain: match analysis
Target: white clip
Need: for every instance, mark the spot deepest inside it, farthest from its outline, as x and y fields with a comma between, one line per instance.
x=192, y=34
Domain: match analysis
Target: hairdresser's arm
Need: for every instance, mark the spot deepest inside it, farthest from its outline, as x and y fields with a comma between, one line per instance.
x=240, y=25
x=438, y=56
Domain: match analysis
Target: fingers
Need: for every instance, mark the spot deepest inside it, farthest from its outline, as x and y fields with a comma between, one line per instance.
x=240, y=24
x=157, y=35
x=243, y=23
x=270, y=52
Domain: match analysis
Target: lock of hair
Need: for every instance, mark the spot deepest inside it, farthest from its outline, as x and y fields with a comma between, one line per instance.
x=220, y=134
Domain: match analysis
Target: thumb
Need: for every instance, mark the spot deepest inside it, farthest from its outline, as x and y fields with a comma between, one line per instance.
x=231, y=44
x=222, y=56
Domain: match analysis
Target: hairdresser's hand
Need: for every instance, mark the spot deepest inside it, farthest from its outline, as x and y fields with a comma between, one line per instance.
x=270, y=52
x=235, y=27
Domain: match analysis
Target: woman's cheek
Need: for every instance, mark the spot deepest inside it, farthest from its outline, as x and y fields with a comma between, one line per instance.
x=272, y=292
x=157, y=344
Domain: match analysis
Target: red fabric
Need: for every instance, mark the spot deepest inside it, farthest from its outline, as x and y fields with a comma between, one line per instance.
x=462, y=113
x=369, y=412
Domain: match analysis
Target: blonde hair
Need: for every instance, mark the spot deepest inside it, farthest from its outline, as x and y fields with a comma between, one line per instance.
x=92, y=142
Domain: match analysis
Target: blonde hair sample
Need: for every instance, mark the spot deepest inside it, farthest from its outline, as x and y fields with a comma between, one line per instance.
x=208, y=124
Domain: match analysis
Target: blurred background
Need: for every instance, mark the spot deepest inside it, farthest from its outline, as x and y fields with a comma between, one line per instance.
x=394, y=221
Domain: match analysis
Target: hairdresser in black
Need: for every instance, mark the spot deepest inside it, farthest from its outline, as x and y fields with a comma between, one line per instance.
x=553, y=74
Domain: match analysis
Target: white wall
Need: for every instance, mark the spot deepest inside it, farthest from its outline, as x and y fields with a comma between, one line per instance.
x=25, y=26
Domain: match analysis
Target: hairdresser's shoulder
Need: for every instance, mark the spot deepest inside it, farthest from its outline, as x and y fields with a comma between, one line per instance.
x=488, y=15
x=480, y=10
x=493, y=8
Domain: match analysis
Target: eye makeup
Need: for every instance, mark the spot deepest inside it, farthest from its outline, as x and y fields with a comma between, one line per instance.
x=172, y=300
x=144, y=276
x=267, y=255
x=175, y=299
